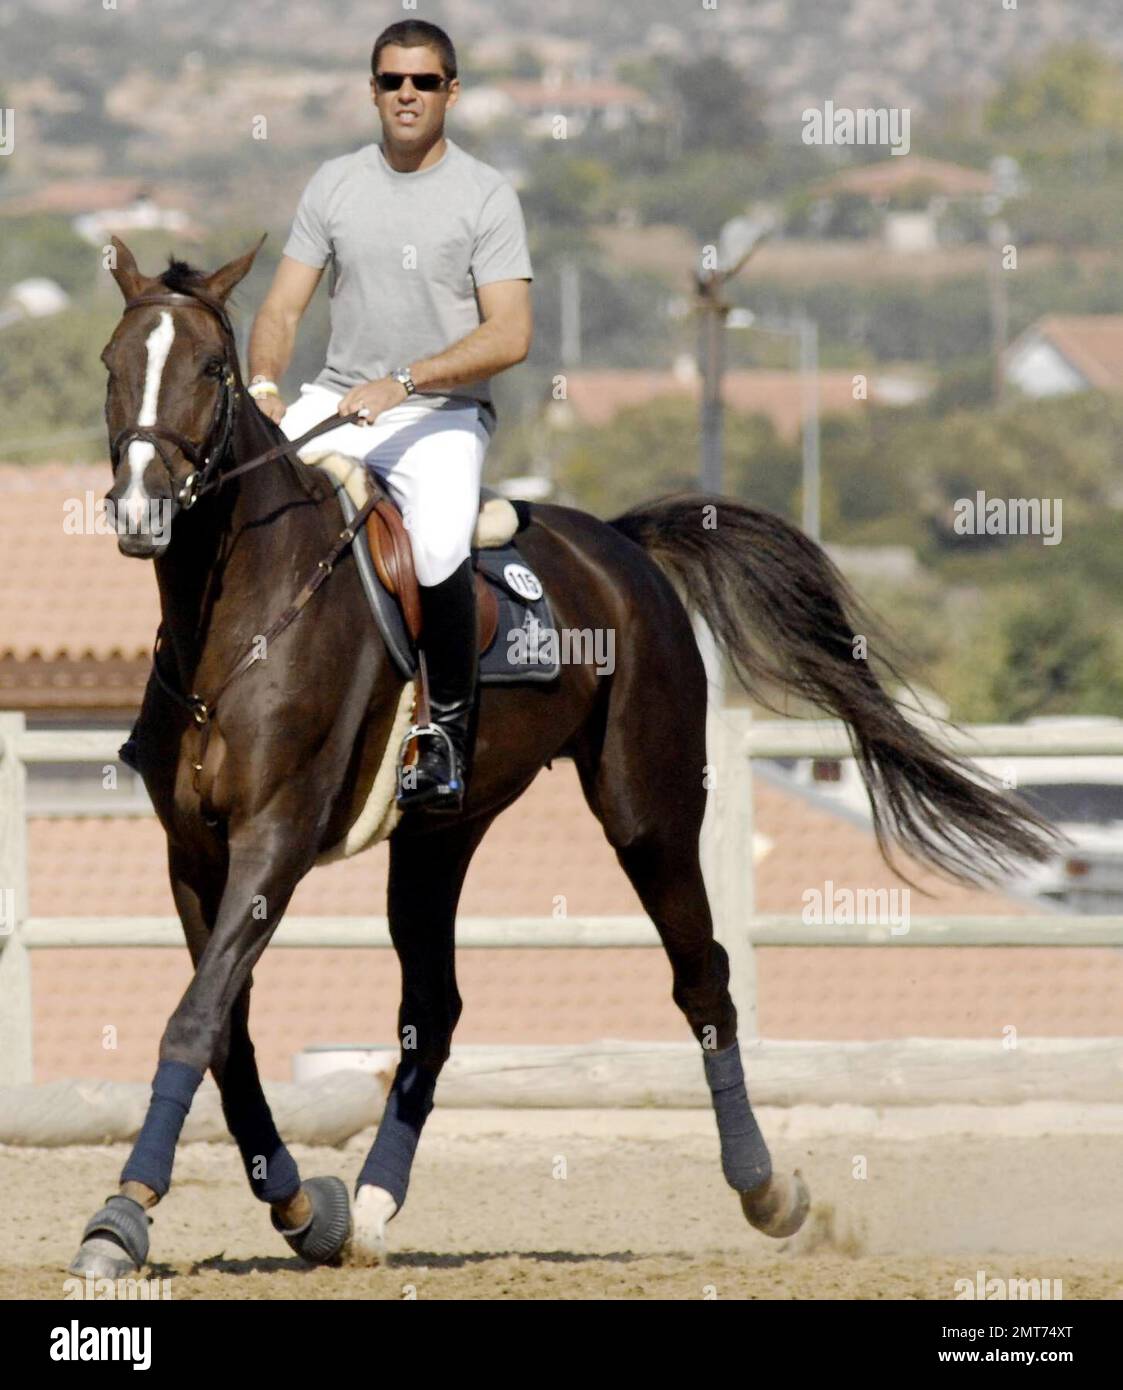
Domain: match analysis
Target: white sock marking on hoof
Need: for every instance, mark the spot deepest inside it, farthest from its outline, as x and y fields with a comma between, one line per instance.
x=372, y=1208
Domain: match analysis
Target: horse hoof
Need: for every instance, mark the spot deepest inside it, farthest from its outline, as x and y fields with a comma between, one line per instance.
x=321, y=1239
x=115, y=1241
x=101, y=1258
x=373, y=1209
x=780, y=1207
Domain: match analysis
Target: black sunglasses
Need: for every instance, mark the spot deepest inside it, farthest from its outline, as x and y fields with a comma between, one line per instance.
x=422, y=81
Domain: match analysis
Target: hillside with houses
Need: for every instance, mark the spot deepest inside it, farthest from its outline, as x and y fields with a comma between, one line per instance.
x=966, y=295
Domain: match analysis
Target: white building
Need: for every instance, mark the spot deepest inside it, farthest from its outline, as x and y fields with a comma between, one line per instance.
x=1063, y=354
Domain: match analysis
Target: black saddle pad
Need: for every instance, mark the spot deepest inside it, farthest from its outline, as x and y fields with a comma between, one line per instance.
x=517, y=651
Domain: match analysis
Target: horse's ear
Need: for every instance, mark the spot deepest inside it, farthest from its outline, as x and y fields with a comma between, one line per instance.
x=223, y=280
x=125, y=270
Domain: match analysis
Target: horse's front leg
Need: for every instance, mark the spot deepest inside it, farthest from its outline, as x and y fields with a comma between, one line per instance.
x=197, y=888
x=426, y=875
x=263, y=872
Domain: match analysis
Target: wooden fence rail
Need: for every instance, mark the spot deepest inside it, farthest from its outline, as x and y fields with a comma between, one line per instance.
x=734, y=739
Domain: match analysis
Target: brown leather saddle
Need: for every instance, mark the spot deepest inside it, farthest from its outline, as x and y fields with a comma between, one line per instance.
x=392, y=555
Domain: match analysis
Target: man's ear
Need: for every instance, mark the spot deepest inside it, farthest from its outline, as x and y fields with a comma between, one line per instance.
x=125, y=270
x=220, y=282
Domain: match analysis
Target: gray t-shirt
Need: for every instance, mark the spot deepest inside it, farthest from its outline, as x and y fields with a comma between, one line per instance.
x=408, y=252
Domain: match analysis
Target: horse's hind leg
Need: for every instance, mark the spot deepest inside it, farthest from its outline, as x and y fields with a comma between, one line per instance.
x=668, y=878
x=651, y=806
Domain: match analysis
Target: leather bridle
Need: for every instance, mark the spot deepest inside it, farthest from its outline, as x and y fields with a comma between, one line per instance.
x=206, y=457
x=205, y=476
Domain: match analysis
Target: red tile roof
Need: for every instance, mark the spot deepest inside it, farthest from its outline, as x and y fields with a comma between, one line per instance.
x=72, y=197
x=890, y=175
x=98, y=602
x=597, y=397
x=534, y=95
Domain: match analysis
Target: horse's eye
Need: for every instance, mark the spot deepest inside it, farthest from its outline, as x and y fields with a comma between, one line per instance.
x=215, y=367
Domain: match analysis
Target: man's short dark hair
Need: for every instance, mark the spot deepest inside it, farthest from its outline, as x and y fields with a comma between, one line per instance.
x=416, y=33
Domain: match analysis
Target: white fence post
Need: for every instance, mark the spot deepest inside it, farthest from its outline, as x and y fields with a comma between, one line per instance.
x=727, y=854
x=15, y=966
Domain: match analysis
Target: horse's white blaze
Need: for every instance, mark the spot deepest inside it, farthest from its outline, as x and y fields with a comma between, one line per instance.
x=134, y=500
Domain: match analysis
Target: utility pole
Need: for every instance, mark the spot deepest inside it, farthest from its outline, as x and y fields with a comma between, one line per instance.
x=739, y=239
x=998, y=236
x=809, y=399
x=1006, y=183
x=713, y=311
x=570, y=277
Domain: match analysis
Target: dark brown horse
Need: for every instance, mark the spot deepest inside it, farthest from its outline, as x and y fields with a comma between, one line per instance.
x=251, y=789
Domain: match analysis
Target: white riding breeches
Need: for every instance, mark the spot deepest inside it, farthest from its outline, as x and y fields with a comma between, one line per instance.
x=431, y=461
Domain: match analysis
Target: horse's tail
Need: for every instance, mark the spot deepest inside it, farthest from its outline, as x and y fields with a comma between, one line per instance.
x=786, y=620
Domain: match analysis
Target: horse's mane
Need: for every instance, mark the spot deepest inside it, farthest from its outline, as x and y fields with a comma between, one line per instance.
x=182, y=278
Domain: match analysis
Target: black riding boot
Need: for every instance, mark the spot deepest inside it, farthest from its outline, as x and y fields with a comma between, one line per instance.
x=438, y=781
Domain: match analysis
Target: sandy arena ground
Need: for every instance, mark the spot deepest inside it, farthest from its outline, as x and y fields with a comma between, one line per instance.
x=641, y=1212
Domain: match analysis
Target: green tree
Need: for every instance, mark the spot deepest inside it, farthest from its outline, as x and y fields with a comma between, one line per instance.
x=700, y=191
x=52, y=384
x=1037, y=655
x=653, y=449
x=1075, y=85
x=566, y=191
x=47, y=246
x=720, y=110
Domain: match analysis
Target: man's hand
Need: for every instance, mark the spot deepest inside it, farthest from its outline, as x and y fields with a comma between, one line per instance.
x=272, y=406
x=373, y=397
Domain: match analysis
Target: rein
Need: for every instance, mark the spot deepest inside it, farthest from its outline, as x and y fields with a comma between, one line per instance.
x=203, y=711
x=205, y=478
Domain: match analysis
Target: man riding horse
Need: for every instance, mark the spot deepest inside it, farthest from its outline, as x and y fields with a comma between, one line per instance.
x=260, y=756
x=430, y=297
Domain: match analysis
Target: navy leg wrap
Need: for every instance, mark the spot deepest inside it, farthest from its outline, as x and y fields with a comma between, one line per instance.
x=270, y=1168
x=407, y=1108
x=173, y=1090
x=744, y=1154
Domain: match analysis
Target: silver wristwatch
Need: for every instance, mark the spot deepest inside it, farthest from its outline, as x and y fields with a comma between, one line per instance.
x=403, y=375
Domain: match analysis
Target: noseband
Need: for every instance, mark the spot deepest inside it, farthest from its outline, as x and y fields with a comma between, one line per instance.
x=206, y=457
